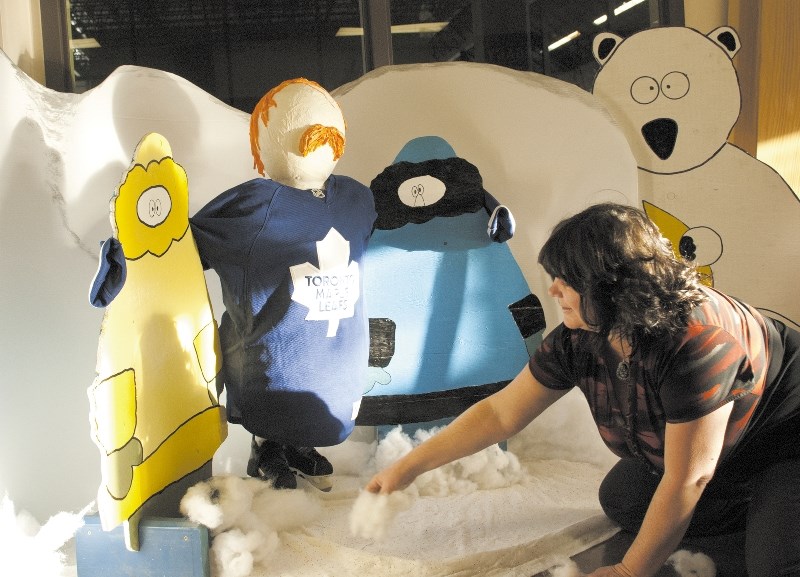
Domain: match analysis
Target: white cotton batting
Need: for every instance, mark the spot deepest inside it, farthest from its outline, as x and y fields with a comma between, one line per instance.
x=689, y=564
x=372, y=514
x=491, y=468
x=235, y=553
x=28, y=549
x=245, y=516
x=565, y=568
x=218, y=503
x=285, y=510
x=393, y=446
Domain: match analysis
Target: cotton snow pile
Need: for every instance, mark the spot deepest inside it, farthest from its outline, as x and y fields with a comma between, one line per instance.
x=246, y=518
x=689, y=564
x=28, y=549
x=491, y=468
x=565, y=568
x=372, y=514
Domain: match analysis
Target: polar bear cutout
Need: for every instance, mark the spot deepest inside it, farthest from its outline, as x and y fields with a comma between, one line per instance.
x=675, y=93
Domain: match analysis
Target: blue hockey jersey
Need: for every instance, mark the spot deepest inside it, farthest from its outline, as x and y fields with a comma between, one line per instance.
x=294, y=334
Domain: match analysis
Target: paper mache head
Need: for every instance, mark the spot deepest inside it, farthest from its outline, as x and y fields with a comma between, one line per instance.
x=297, y=134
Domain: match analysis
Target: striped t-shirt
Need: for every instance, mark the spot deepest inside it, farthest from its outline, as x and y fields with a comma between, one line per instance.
x=723, y=356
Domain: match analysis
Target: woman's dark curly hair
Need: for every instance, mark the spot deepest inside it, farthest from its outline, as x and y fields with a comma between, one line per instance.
x=630, y=281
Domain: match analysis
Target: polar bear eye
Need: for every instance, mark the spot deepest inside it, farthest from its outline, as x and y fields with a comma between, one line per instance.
x=644, y=90
x=421, y=191
x=675, y=85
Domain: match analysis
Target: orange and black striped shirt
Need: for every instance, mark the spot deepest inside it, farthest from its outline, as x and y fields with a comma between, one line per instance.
x=724, y=355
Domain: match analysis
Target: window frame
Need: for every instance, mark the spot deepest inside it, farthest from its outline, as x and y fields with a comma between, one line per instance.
x=376, y=41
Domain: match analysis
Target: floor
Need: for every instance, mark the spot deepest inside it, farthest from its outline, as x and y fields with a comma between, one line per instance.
x=726, y=553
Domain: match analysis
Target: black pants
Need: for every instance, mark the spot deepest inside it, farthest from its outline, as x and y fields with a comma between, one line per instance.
x=766, y=507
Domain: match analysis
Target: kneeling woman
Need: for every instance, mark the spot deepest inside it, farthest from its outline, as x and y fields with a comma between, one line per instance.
x=697, y=392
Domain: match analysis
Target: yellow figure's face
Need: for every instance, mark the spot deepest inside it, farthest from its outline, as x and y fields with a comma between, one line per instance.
x=151, y=208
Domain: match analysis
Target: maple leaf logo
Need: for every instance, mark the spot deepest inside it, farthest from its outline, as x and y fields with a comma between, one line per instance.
x=330, y=292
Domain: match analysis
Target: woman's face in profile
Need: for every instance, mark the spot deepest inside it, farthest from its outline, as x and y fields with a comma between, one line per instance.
x=570, y=302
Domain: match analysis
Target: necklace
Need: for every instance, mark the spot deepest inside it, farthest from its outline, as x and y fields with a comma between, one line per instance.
x=624, y=366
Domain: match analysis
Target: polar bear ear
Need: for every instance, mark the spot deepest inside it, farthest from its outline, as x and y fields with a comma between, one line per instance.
x=727, y=39
x=604, y=45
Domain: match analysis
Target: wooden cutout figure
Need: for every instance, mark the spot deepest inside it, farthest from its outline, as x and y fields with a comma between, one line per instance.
x=442, y=276
x=155, y=414
x=675, y=93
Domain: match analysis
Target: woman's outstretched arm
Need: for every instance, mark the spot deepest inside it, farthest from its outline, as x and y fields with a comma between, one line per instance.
x=494, y=419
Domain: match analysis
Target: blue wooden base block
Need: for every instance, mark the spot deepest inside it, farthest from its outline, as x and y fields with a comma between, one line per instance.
x=168, y=547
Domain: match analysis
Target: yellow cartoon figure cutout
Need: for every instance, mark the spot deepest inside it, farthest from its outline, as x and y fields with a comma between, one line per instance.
x=154, y=408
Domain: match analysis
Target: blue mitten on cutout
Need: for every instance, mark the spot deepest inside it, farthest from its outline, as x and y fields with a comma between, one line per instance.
x=110, y=276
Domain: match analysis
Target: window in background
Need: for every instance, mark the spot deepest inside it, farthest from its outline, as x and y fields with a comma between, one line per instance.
x=433, y=31
x=552, y=37
x=233, y=49
x=561, y=33
x=238, y=49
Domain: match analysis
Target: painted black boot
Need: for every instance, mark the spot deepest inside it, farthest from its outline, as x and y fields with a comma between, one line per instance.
x=268, y=462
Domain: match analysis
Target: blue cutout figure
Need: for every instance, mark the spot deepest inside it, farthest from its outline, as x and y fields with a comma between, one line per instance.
x=441, y=277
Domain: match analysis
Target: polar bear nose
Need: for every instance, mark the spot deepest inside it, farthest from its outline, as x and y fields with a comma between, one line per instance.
x=660, y=135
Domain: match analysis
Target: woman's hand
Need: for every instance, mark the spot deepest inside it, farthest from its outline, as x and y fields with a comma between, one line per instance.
x=395, y=477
